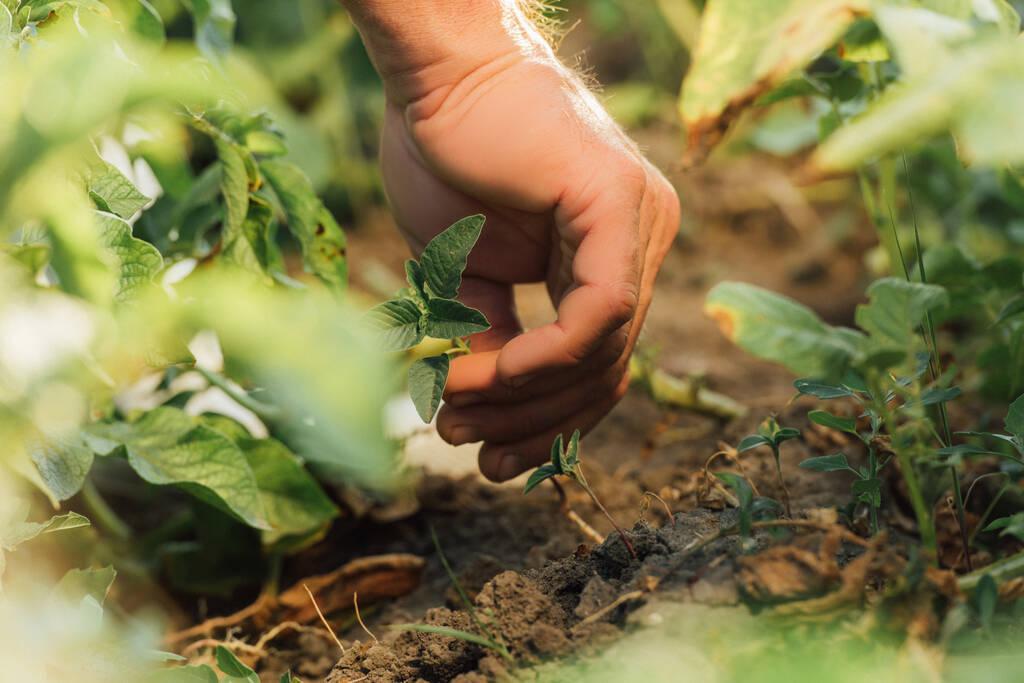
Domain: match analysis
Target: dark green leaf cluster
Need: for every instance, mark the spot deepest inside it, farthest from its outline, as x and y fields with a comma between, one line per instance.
x=751, y=508
x=428, y=308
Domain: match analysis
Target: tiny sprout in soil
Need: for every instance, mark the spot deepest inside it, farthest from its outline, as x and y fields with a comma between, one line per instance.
x=565, y=461
x=771, y=434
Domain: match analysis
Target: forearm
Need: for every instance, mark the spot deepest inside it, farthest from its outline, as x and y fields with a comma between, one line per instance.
x=419, y=46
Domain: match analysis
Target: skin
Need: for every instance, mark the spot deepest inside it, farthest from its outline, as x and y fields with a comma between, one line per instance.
x=493, y=123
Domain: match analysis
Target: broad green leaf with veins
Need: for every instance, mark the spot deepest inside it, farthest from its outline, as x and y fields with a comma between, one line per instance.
x=138, y=261
x=896, y=309
x=235, y=670
x=427, y=378
x=444, y=257
x=322, y=239
x=398, y=324
x=776, y=328
x=166, y=446
x=449, y=319
x=63, y=463
x=113, y=192
x=77, y=584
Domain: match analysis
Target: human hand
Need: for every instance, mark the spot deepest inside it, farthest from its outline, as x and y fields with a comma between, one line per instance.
x=569, y=201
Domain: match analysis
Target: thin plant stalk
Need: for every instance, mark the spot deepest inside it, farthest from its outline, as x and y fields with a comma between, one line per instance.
x=782, y=482
x=622, y=534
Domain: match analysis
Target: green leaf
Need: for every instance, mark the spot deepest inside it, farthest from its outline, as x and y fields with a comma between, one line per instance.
x=822, y=390
x=322, y=239
x=449, y=319
x=146, y=22
x=984, y=600
x=827, y=463
x=1015, y=419
x=214, y=23
x=868, y=491
x=557, y=451
x=114, y=192
x=1012, y=525
x=1011, y=309
x=451, y=633
x=776, y=328
x=138, y=262
x=751, y=442
x=77, y=584
x=234, y=185
x=294, y=502
x=165, y=446
x=747, y=48
x=398, y=323
x=63, y=463
x=571, y=459
x=938, y=395
x=427, y=378
x=895, y=312
x=540, y=474
x=184, y=674
x=740, y=485
x=17, y=529
x=6, y=24
x=826, y=419
x=33, y=256
x=949, y=90
x=444, y=257
x=416, y=279
x=235, y=670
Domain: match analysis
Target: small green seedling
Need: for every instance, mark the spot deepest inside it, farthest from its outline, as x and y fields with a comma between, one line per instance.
x=771, y=434
x=867, y=488
x=565, y=461
x=751, y=507
x=427, y=308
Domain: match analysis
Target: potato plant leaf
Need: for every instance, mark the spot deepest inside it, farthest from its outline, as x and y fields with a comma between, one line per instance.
x=752, y=441
x=235, y=671
x=63, y=463
x=444, y=257
x=214, y=22
x=449, y=319
x=184, y=674
x=1015, y=420
x=427, y=378
x=398, y=324
x=77, y=584
x=165, y=446
x=540, y=474
x=822, y=390
x=776, y=328
x=113, y=192
x=893, y=316
x=138, y=262
x=322, y=239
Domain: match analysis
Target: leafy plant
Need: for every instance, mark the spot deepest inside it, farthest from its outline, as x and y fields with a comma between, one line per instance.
x=771, y=434
x=752, y=508
x=565, y=462
x=428, y=308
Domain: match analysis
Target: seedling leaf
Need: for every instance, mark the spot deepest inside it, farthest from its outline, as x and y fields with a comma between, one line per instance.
x=827, y=463
x=444, y=257
x=821, y=390
x=427, y=378
x=557, y=448
x=63, y=464
x=939, y=395
x=235, y=670
x=398, y=323
x=539, y=475
x=571, y=459
x=752, y=441
x=449, y=319
x=868, y=491
x=826, y=419
x=1015, y=419
x=453, y=633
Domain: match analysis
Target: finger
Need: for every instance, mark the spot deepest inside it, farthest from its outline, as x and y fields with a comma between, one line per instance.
x=518, y=421
x=476, y=387
x=503, y=461
x=606, y=271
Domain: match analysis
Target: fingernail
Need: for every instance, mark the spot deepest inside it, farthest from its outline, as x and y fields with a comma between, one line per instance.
x=466, y=398
x=511, y=466
x=463, y=434
x=520, y=380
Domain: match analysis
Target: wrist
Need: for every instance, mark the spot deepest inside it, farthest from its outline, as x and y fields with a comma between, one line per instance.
x=423, y=46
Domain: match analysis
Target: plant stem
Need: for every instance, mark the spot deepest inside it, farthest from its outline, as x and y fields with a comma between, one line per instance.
x=684, y=393
x=988, y=510
x=1001, y=570
x=263, y=410
x=917, y=501
x=782, y=482
x=622, y=534
x=103, y=515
